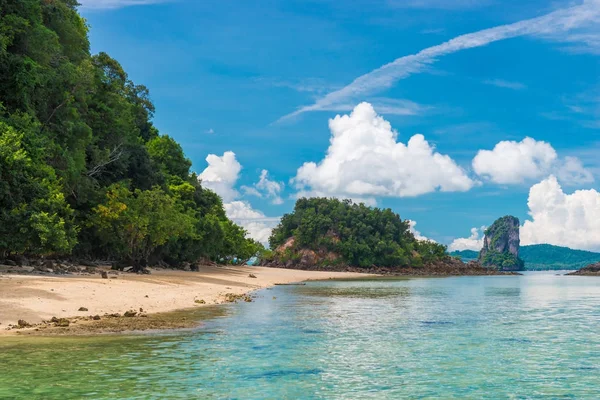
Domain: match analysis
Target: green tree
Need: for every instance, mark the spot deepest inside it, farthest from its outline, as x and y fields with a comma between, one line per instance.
x=34, y=216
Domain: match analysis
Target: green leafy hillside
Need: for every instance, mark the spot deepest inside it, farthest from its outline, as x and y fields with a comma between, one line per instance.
x=544, y=257
x=360, y=235
x=83, y=170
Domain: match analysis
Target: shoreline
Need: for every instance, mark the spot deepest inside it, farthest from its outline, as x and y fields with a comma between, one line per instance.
x=75, y=305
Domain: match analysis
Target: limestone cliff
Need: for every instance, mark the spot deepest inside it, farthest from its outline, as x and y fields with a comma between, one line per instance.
x=501, y=245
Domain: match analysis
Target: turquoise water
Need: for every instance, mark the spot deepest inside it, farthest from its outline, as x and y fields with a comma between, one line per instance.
x=525, y=337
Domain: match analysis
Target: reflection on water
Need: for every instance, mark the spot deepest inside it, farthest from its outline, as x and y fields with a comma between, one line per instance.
x=533, y=336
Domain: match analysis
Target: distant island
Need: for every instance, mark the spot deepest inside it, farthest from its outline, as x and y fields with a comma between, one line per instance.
x=501, y=245
x=332, y=234
x=538, y=257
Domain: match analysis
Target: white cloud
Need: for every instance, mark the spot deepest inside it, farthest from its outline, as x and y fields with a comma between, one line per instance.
x=210, y=131
x=513, y=162
x=387, y=106
x=365, y=159
x=571, y=220
x=473, y=242
x=259, y=226
x=416, y=233
x=112, y=4
x=266, y=188
x=221, y=175
x=505, y=84
x=553, y=26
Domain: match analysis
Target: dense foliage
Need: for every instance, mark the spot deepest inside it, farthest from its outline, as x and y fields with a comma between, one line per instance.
x=549, y=257
x=82, y=168
x=361, y=235
x=539, y=257
x=501, y=245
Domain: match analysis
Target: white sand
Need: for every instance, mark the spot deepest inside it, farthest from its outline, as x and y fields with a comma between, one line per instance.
x=37, y=298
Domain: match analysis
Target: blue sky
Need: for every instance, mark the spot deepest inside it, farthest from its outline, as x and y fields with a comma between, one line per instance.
x=263, y=79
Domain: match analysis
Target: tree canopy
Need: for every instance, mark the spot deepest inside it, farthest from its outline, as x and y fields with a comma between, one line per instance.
x=83, y=170
x=362, y=236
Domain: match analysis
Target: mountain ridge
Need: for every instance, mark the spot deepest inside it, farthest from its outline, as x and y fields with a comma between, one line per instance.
x=538, y=257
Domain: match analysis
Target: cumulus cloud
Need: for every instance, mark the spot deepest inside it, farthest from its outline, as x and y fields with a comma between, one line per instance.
x=365, y=159
x=412, y=224
x=571, y=220
x=258, y=225
x=558, y=25
x=266, y=188
x=473, y=242
x=512, y=162
x=112, y=4
x=221, y=176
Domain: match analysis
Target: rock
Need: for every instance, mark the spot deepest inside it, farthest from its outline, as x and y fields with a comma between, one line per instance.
x=23, y=324
x=199, y=301
x=592, y=269
x=251, y=276
x=104, y=274
x=48, y=264
x=63, y=322
x=82, y=309
x=10, y=262
x=130, y=314
x=96, y=318
x=501, y=245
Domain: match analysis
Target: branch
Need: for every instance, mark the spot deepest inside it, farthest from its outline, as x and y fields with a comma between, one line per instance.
x=114, y=155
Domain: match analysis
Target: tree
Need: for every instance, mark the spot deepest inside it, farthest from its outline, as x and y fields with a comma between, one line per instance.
x=137, y=223
x=34, y=216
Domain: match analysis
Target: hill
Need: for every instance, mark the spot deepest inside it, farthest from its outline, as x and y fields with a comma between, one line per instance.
x=323, y=231
x=539, y=257
x=83, y=169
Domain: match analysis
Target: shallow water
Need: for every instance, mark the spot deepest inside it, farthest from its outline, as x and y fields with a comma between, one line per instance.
x=521, y=337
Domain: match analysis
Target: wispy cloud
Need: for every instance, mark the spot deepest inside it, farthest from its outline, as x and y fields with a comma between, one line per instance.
x=505, y=84
x=112, y=4
x=549, y=26
x=440, y=4
x=388, y=106
x=582, y=108
x=316, y=86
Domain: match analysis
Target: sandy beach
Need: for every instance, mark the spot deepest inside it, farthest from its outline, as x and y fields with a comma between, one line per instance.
x=34, y=298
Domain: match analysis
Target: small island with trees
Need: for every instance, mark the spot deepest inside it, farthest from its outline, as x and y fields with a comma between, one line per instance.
x=332, y=234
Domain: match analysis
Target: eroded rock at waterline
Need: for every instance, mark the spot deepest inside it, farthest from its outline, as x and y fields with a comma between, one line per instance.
x=590, y=270
x=501, y=245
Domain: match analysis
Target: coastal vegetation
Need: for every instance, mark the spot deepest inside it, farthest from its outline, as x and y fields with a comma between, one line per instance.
x=83, y=170
x=538, y=257
x=501, y=245
x=333, y=231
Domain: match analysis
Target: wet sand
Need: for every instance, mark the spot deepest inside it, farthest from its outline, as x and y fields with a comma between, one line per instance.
x=34, y=298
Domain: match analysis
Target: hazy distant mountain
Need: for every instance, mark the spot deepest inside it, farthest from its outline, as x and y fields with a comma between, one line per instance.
x=545, y=257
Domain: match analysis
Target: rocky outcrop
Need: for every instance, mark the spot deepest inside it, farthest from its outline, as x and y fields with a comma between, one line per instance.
x=590, y=270
x=501, y=245
x=287, y=256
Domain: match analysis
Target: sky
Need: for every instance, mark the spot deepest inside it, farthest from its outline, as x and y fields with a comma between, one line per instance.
x=451, y=113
